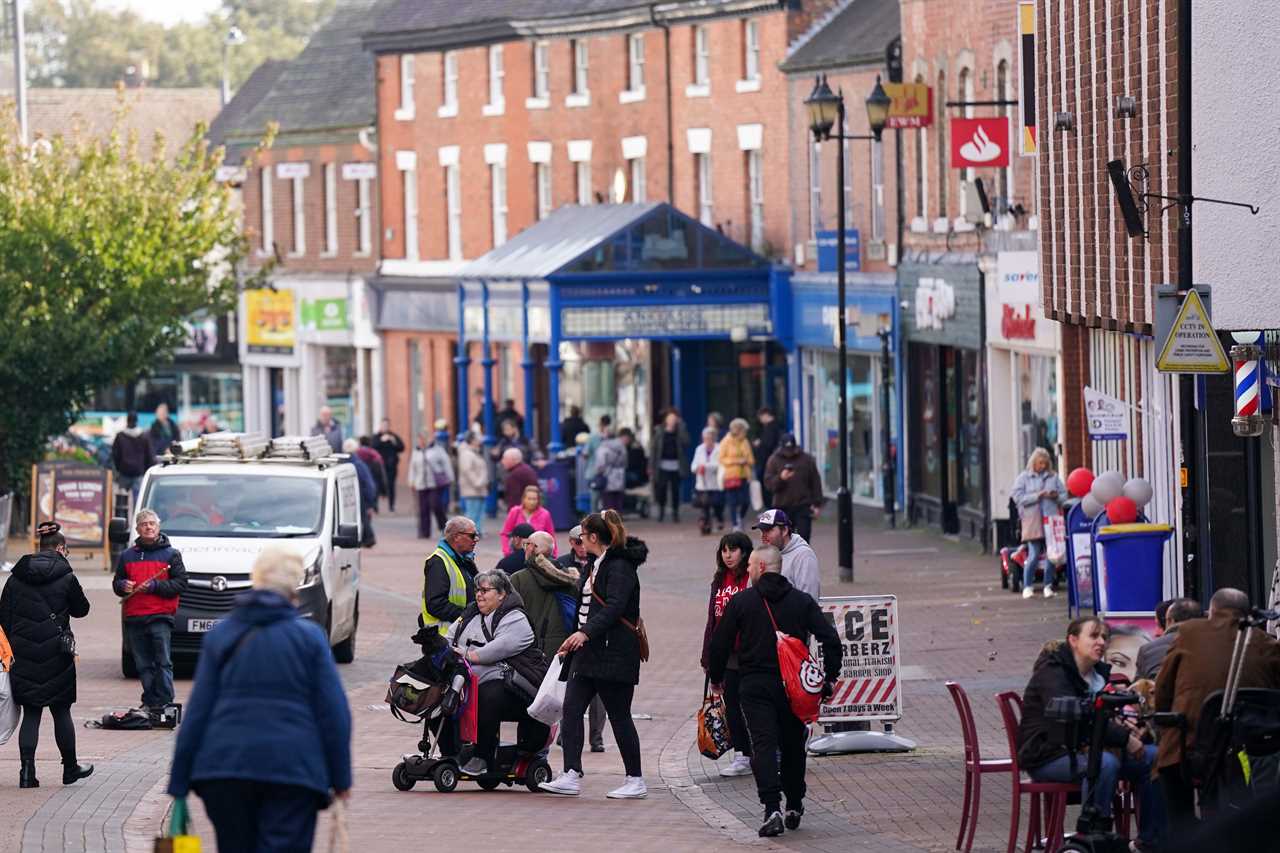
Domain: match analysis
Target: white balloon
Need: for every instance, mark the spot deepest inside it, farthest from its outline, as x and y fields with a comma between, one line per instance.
x=1139, y=491
x=1107, y=487
x=1090, y=507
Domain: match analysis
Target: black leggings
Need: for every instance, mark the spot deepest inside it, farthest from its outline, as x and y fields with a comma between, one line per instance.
x=64, y=732
x=616, y=696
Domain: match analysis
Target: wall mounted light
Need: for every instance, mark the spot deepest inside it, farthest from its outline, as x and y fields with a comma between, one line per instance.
x=1064, y=121
x=1126, y=106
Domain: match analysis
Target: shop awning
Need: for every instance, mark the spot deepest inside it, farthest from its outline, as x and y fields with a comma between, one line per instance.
x=604, y=238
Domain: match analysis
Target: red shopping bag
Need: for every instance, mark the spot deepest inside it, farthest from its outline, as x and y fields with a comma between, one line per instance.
x=801, y=673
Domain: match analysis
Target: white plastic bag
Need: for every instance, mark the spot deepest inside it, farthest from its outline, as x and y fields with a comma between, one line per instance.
x=1055, y=539
x=757, y=496
x=9, y=710
x=549, y=703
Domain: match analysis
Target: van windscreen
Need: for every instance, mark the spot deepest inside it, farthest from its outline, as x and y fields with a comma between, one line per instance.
x=235, y=505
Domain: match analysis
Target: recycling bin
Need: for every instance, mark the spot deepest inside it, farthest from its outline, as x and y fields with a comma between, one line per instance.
x=1131, y=577
x=557, y=494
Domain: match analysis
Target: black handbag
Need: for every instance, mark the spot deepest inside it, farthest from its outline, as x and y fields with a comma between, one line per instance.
x=523, y=673
x=66, y=638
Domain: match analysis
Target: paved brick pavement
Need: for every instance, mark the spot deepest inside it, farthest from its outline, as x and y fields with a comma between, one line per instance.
x=956, y=621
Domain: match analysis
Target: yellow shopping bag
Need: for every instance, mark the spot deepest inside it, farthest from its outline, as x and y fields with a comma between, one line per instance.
x=177, y=840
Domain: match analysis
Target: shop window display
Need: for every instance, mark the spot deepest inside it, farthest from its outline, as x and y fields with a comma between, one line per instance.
x=1037, y=382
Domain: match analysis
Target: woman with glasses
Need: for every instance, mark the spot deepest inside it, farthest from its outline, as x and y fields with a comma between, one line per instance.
x=730, y=579
x=493, y=630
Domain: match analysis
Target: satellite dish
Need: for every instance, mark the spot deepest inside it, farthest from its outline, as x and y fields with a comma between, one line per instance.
x=619, y=186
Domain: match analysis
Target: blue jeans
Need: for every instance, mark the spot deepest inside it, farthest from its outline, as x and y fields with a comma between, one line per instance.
x=149, y=641
x=739, y=502
x=1136, y=771
x=1035, y=550
x=473, y=508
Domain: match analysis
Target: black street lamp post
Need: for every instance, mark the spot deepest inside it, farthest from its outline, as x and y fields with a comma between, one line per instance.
x=826, y=121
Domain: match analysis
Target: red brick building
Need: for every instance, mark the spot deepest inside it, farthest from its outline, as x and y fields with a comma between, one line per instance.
x=984, y=378
x=487, y=123
x=310, y=203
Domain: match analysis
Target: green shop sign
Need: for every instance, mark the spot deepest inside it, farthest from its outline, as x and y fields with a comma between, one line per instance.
x=325, y=315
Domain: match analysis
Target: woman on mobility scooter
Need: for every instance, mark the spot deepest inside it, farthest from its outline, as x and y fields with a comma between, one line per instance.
x=491, y=632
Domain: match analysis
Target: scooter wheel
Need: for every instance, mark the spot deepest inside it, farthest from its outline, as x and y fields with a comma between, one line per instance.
x=488, y=783
x=445, y=776
x=538, y=772
x=400, y=778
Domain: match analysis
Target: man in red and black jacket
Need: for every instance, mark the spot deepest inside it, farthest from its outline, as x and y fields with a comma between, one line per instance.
x=150, y=577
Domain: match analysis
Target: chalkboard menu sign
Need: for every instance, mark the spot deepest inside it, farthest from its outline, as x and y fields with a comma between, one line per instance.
x=75, y=495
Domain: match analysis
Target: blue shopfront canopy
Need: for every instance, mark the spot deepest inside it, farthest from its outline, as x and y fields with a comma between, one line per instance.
x=615, y=271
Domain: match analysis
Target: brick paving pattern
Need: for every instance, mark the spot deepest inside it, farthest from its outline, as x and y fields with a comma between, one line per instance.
x=957, y=623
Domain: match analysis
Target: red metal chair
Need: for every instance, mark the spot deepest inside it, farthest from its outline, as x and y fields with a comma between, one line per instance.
x=974, y=766
x=1054, y=794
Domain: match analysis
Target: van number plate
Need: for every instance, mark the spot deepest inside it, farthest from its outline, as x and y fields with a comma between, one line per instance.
x=199, y=626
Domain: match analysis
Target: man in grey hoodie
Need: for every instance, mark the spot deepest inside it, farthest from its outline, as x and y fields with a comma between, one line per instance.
x=799, y=562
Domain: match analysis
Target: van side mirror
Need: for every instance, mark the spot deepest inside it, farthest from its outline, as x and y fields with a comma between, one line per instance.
x=348, y=536
x=118, y=531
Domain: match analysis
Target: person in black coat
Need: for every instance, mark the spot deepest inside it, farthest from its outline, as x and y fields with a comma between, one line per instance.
x=389, y=447
x=748, y=625
x=603, y=656
x=36, y=608
x=1076, y=669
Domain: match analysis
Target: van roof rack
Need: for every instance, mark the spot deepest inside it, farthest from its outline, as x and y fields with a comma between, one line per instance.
x=254, y=447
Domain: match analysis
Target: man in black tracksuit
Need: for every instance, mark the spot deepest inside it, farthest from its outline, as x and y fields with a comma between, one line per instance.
x=746, y=627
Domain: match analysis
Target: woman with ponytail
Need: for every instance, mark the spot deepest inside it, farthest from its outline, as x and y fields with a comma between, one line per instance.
x=36, y=608
x=603, y=656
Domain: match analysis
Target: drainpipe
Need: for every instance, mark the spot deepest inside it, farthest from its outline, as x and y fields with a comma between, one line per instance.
x=671, y=144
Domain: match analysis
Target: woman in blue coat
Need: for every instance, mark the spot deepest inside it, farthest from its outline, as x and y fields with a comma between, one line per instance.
x=266, y=738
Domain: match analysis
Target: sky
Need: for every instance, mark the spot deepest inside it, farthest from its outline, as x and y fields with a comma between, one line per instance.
x=167, y=12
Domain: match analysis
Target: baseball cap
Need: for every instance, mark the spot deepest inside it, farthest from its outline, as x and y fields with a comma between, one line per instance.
x=576, y=532
x=522, y=531
x=771, y=518
x=788, y=439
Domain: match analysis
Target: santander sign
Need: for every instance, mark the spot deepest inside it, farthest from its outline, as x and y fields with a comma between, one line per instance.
x=978, y=143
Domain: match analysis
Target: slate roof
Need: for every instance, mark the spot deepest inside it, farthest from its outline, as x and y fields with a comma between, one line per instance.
x=247, y=97
x=857, y=34
x=173, y=112
x=329, y=85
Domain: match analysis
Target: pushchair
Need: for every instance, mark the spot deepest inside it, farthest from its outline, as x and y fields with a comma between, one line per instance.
x=430, y=691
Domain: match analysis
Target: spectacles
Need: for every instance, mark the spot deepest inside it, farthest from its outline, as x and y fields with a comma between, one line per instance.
x=573, y=541
x=471, y=535
x=481, y=589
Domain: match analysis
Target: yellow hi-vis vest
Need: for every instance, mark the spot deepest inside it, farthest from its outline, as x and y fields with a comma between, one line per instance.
x=457, y=591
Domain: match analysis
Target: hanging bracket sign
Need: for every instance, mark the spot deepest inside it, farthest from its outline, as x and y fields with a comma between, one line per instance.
x=1192, y=345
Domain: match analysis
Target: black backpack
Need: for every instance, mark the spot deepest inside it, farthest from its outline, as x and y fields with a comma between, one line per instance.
x=522, y=673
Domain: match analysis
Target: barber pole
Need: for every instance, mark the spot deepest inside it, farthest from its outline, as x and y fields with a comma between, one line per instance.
x=1247, y=360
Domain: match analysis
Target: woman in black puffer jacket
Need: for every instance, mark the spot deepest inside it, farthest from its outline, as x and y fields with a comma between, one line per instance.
x=603, y=656
x=36, y=607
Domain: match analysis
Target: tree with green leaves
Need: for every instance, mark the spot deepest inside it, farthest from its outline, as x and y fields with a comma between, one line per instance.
x=103, y=254
x=80, y=44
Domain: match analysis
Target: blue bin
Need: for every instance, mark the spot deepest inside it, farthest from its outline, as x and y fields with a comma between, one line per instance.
x=1134, y=566
x=557, y=494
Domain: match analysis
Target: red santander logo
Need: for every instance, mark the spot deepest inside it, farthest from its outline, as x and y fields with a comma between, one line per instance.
x=980, y=143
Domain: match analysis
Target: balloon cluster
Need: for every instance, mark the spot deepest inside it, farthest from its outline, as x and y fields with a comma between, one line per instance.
x=1109, y=492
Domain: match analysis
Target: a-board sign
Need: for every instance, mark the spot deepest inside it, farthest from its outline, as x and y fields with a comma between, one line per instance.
x=77, y=496
x=869, y=687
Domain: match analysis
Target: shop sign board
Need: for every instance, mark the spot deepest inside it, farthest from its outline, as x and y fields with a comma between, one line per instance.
x=1108, y=417
x=1027, y=93
x=943, y=304
x=980, y=143
x=828, y=250
x=870, y=685
x=325, y=315
x=666, y=321
x=912, y=105
x=1014, y=315
x=1192, y=345
x=269, y=321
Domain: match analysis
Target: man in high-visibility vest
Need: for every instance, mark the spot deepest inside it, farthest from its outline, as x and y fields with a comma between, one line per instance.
x=449, y=575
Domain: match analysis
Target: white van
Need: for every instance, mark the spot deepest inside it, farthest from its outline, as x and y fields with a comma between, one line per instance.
x=223, y=498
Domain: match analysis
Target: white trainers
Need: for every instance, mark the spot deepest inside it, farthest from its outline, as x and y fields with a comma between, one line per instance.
x=475, y=767
x=1027, y=592
x=1048, y=592
x=740, y=766
x=569, y=784
x=632, y=789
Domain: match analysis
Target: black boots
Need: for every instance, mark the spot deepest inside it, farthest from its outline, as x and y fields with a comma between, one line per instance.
x=75, y=772
x=27, y=774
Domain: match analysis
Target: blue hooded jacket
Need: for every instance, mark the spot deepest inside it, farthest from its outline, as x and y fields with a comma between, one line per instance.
x=271, y=709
